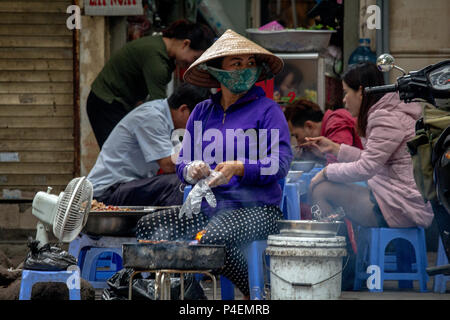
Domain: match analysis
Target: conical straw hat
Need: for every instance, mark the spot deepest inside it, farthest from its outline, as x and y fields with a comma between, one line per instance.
x=230, y=44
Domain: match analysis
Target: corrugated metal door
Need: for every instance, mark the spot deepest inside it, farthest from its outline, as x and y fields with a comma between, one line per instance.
x=36, y=97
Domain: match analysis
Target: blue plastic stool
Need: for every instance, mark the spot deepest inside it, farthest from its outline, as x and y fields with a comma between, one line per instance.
x=290, y=203
x=108, y=263
x=92, y=254
x=315, y=170
x=254, y=252
x=226, y=288
x=31, y=277
x=92, y=261
x=372, y=243
x=255, y=255
x=440, y=281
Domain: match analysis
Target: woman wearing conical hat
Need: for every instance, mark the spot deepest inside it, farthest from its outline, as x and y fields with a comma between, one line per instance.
x=241, y=138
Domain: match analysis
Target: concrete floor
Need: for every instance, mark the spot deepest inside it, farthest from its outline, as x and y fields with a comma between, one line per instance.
x=391, y=292
x=17, y=251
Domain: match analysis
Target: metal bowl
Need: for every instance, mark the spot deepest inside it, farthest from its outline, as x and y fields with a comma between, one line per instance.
x=304, y=166
x=118, y=223
x=309, y=228
x=291, y=40
x=293, y=176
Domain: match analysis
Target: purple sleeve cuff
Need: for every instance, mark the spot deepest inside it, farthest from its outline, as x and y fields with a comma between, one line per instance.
x=251, y=173
x=179, y=169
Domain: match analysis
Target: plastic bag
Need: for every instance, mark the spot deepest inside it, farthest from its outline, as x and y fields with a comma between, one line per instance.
x=144, y=289
x=47, y=258
x=193, y=203
x=120, y=280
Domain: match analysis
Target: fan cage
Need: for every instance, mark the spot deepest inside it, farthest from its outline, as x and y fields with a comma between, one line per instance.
x=73, y=209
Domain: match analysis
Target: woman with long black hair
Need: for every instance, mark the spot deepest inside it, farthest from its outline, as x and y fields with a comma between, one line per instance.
x=385, y=123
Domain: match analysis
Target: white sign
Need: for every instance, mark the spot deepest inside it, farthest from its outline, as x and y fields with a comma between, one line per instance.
x=113, y=7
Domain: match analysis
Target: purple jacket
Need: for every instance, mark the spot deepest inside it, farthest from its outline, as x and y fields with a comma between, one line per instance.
x=254, y=131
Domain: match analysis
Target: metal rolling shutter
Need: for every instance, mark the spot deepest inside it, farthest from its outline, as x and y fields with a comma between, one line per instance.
x=37, y=146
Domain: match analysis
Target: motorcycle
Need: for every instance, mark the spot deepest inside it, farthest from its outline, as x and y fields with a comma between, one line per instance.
x=428, y=86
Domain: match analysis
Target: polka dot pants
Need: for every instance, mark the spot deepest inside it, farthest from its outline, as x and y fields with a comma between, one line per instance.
x=232, y=228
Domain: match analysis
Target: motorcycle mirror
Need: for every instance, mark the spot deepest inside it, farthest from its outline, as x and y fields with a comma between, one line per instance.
x=386, y=63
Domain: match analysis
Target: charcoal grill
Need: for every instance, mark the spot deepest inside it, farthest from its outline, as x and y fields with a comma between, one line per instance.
x=172, y=257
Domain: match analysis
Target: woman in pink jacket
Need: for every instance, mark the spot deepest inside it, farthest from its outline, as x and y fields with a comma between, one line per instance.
x=385, y=123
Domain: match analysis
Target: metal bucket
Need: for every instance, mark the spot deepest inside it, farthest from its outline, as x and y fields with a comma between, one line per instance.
x=305, y=268
x=304, y=166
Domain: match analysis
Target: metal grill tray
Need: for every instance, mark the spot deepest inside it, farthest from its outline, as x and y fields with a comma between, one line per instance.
x=135, y=209
x=119, y=223
x=179, y=255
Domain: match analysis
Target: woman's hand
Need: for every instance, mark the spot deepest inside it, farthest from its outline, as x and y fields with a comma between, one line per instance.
x=322, y=145
x=195, y=171
x=318, y=178
x=228, y=170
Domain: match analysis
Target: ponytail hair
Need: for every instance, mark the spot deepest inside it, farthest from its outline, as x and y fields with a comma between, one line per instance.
x=200, y=35
x=364, y=74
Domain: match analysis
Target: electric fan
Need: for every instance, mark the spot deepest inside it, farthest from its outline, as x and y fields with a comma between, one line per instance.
x=67, y=213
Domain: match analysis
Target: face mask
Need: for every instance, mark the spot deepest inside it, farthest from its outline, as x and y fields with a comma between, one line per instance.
x=237, y=81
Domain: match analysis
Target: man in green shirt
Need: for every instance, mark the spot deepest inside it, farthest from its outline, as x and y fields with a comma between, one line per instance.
x=142, y=68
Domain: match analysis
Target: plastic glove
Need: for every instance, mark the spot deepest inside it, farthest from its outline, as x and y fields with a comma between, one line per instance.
x=215, y=179
x=193, y=203
x=195, y=171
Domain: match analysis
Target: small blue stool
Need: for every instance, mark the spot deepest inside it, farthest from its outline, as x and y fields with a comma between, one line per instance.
x=440, y=281
x=372, y=243
x=112, y=261
x=92, y=253
x=226, y=288
x=255, y=255
x=254, y=252
x=290, y=202
x=315, y=170
x=31, y=277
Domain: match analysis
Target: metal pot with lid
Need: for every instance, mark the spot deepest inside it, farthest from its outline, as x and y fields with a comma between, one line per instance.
x=309, y=228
